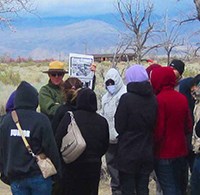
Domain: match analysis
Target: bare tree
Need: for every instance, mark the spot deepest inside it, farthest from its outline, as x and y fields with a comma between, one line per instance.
x=136, y=16
x=197, y=50
x=12, y=8
x=195, y=16
x=195, y=47
x=170, y=37
x=120, y=50
x=197, y=4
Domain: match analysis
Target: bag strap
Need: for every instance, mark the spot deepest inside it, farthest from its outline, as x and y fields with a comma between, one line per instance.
x=16, y=120
x=71, y=115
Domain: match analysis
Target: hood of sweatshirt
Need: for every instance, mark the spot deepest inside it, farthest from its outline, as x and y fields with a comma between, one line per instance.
x=140, y=88
x=136, y=73
x=86, y=100
x=163, y=78
x=26, y=97
x=115, y=76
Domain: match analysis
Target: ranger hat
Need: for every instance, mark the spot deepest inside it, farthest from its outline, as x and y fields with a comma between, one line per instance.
x=56, y=66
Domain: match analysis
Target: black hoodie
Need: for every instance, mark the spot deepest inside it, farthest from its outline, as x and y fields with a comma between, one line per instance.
x=135, y=119
x=17, y=162
x=93, y=127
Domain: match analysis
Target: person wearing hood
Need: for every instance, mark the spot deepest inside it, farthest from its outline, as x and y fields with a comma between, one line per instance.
x=195, y=177
x=174, y=122
x=82, y=175
x=115, y=89
x=151, y=67
x=19, y=166
x=134, y=121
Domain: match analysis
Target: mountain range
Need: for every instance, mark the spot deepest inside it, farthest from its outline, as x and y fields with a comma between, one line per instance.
x=56, y=37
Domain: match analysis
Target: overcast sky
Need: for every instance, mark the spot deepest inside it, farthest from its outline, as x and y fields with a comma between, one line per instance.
x=96, y=7
x=75, y=7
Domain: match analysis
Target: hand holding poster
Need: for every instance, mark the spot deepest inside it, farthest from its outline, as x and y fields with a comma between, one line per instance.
x=80, y=67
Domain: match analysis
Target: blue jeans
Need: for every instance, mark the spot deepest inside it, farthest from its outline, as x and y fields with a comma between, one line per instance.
x=32, y=186
x=170, y=173
x=195, y=178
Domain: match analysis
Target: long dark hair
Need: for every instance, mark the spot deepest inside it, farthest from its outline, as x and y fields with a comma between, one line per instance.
x=70, y=88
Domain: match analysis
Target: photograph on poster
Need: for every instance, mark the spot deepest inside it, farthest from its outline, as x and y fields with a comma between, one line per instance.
x=80, y=67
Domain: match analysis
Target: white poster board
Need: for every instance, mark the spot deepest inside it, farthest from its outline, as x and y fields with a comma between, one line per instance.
x=79, y=66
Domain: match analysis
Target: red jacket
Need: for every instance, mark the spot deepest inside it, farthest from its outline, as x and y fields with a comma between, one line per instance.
x=173, y=120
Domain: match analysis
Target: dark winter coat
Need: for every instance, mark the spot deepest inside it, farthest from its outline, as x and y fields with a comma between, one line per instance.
x=82, y=176
x=61, y=111
x=134, y=121
x=93, y=127
x=184, y=88
x=16, y=160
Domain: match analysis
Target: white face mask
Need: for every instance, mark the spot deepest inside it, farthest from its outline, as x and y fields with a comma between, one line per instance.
x=111, y=89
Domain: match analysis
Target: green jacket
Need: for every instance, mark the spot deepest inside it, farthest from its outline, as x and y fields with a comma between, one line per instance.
x=50, y=98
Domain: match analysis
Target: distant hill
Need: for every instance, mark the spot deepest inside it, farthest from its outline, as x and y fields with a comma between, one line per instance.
x=53, y=40
x=56, y=37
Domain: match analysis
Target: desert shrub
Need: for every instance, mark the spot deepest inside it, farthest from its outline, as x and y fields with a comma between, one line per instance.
x=9, y=77
x=104, y=171
x=2, y=110
x=106, y=63
x=33, y=63
x=190, y=73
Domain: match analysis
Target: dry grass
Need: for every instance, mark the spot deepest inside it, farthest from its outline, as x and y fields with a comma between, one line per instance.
x=4, y=189
x=104, y=188
x=32, y=73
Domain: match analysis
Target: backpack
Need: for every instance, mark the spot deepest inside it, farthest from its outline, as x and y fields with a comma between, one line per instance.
x=73, y=143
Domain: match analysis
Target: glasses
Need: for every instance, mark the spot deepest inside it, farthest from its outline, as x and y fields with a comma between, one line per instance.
x=60, y=74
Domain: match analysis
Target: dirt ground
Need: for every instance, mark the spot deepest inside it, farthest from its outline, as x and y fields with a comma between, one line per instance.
x=104, y=188
x=4, y=189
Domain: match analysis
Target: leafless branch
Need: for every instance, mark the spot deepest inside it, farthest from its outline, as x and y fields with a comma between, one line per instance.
x=136, y=17
x=195, y=16
x=11, y=8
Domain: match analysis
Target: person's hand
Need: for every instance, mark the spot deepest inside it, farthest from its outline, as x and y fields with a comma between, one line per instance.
x=93, y=67
x=150, y=61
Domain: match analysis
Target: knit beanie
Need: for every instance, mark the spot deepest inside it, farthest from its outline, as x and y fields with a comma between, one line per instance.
x=178, y=65
x=136, y=73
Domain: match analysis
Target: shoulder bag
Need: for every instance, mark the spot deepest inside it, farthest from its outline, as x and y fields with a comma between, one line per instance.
x=73, y=143
x=47, y=168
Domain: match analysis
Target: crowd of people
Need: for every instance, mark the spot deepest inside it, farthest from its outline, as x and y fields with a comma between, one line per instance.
x=148, y=126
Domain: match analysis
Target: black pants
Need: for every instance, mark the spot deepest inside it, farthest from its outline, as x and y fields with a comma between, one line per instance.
x=82, y=179
x=138, y=181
